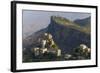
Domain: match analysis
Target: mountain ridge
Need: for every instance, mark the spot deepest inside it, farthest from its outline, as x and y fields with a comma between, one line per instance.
x=63, y=34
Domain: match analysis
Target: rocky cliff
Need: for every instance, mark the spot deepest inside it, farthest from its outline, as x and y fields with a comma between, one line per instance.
x=67, y=34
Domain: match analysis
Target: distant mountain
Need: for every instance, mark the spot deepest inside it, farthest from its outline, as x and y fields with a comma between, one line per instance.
x=83, y=22
x=86, y=23
x=32, y=40
x=66, y=34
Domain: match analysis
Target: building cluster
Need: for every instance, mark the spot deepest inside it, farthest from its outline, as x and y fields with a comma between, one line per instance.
x=47, y=46
x=85, y=49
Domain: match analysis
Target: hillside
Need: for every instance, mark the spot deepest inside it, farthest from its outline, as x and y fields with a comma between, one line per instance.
x=66, y=34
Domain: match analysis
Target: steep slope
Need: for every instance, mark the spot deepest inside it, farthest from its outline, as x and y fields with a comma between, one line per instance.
x=67, y=34
x=32, y=40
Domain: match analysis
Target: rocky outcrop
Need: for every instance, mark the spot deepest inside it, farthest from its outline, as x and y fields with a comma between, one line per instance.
x=68, y=36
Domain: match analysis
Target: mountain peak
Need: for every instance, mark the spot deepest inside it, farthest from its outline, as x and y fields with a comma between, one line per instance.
x=64, y=22
x=61, y=20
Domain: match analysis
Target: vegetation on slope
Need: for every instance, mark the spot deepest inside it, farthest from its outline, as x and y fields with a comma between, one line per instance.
x=71, y=24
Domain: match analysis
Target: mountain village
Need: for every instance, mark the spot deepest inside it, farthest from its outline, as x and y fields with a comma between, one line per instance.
x=48, y=47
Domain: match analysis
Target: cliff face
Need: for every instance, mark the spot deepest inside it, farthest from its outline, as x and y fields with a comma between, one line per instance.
x=68, y=35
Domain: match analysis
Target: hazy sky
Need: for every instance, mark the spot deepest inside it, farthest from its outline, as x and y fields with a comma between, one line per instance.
x=36, y=20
